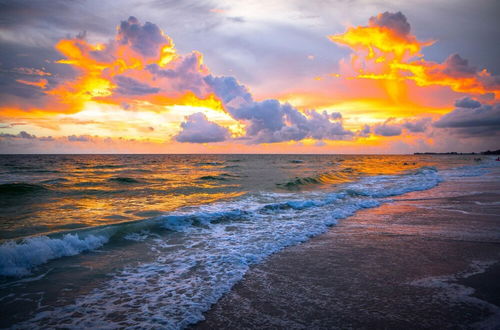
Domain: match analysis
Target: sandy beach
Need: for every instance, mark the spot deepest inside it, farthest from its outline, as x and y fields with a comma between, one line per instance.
x=418, y=262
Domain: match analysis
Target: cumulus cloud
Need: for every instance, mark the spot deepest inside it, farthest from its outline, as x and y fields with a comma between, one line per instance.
x=147, y=39
x=198, y=129
x=270, y=121
x=394, y=21
x=228, y=89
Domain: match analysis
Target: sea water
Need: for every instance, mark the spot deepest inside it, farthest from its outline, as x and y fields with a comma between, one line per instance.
x=152, y=241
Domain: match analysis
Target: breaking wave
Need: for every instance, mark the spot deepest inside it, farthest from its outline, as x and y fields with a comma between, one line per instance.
x=18, y=258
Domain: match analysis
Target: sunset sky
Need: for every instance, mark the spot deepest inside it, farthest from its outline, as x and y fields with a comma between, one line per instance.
x=283, y=76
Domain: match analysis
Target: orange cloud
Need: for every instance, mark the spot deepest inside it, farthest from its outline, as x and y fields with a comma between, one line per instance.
x=386, y=51
x=120, y=72
x=42, y=83
x=130, y=86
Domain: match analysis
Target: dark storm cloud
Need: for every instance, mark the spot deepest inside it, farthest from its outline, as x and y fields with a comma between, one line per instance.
x=130, y=86
x=198, y=129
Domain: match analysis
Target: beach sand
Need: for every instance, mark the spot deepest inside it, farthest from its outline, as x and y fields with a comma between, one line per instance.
x=429, y=259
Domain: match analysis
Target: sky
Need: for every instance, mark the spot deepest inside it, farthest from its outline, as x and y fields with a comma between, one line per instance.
x=287, y=76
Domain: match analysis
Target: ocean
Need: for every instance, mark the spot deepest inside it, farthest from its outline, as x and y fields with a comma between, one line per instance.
x=153, y=241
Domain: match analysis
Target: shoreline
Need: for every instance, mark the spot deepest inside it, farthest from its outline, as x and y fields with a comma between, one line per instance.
x=409, y=263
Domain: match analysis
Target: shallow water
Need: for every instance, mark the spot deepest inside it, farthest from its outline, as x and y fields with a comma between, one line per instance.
x=154, y=240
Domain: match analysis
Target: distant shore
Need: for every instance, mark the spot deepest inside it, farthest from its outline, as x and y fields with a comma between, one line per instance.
x=430, y=259
x=487, y=152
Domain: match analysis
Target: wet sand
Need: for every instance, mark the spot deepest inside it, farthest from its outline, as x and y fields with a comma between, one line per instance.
x=427, y=260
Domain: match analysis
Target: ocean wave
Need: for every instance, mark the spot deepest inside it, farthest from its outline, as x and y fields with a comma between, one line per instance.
x=21, y=188
x=231, y=166
x=389, y=185
x=324, y=178
x=184, y=282
x=209, y=164
x=54, y=181
x=18, y=258
x=181, y=222
x=110, y=166
x=219, y=177
x=123, y=180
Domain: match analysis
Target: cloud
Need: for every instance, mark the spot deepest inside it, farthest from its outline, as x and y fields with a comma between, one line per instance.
x=42, y=83
x=467, y=102
x=365, y=131
x=456, y=66
x=386, y=50
x=482, y=120
x=130, y=86
x=388, y=128
x=21, y=135
x=182, y=73
x=198, y=129
x=228, y=89
x=394, y=21
x=417, y=125
x=395, y=127
x=270, y=121
x=147, y=38
x=80, y=138
x=141, y=67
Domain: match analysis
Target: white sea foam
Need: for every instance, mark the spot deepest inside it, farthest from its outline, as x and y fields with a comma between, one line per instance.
x=17, y=259
x=451, y=291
